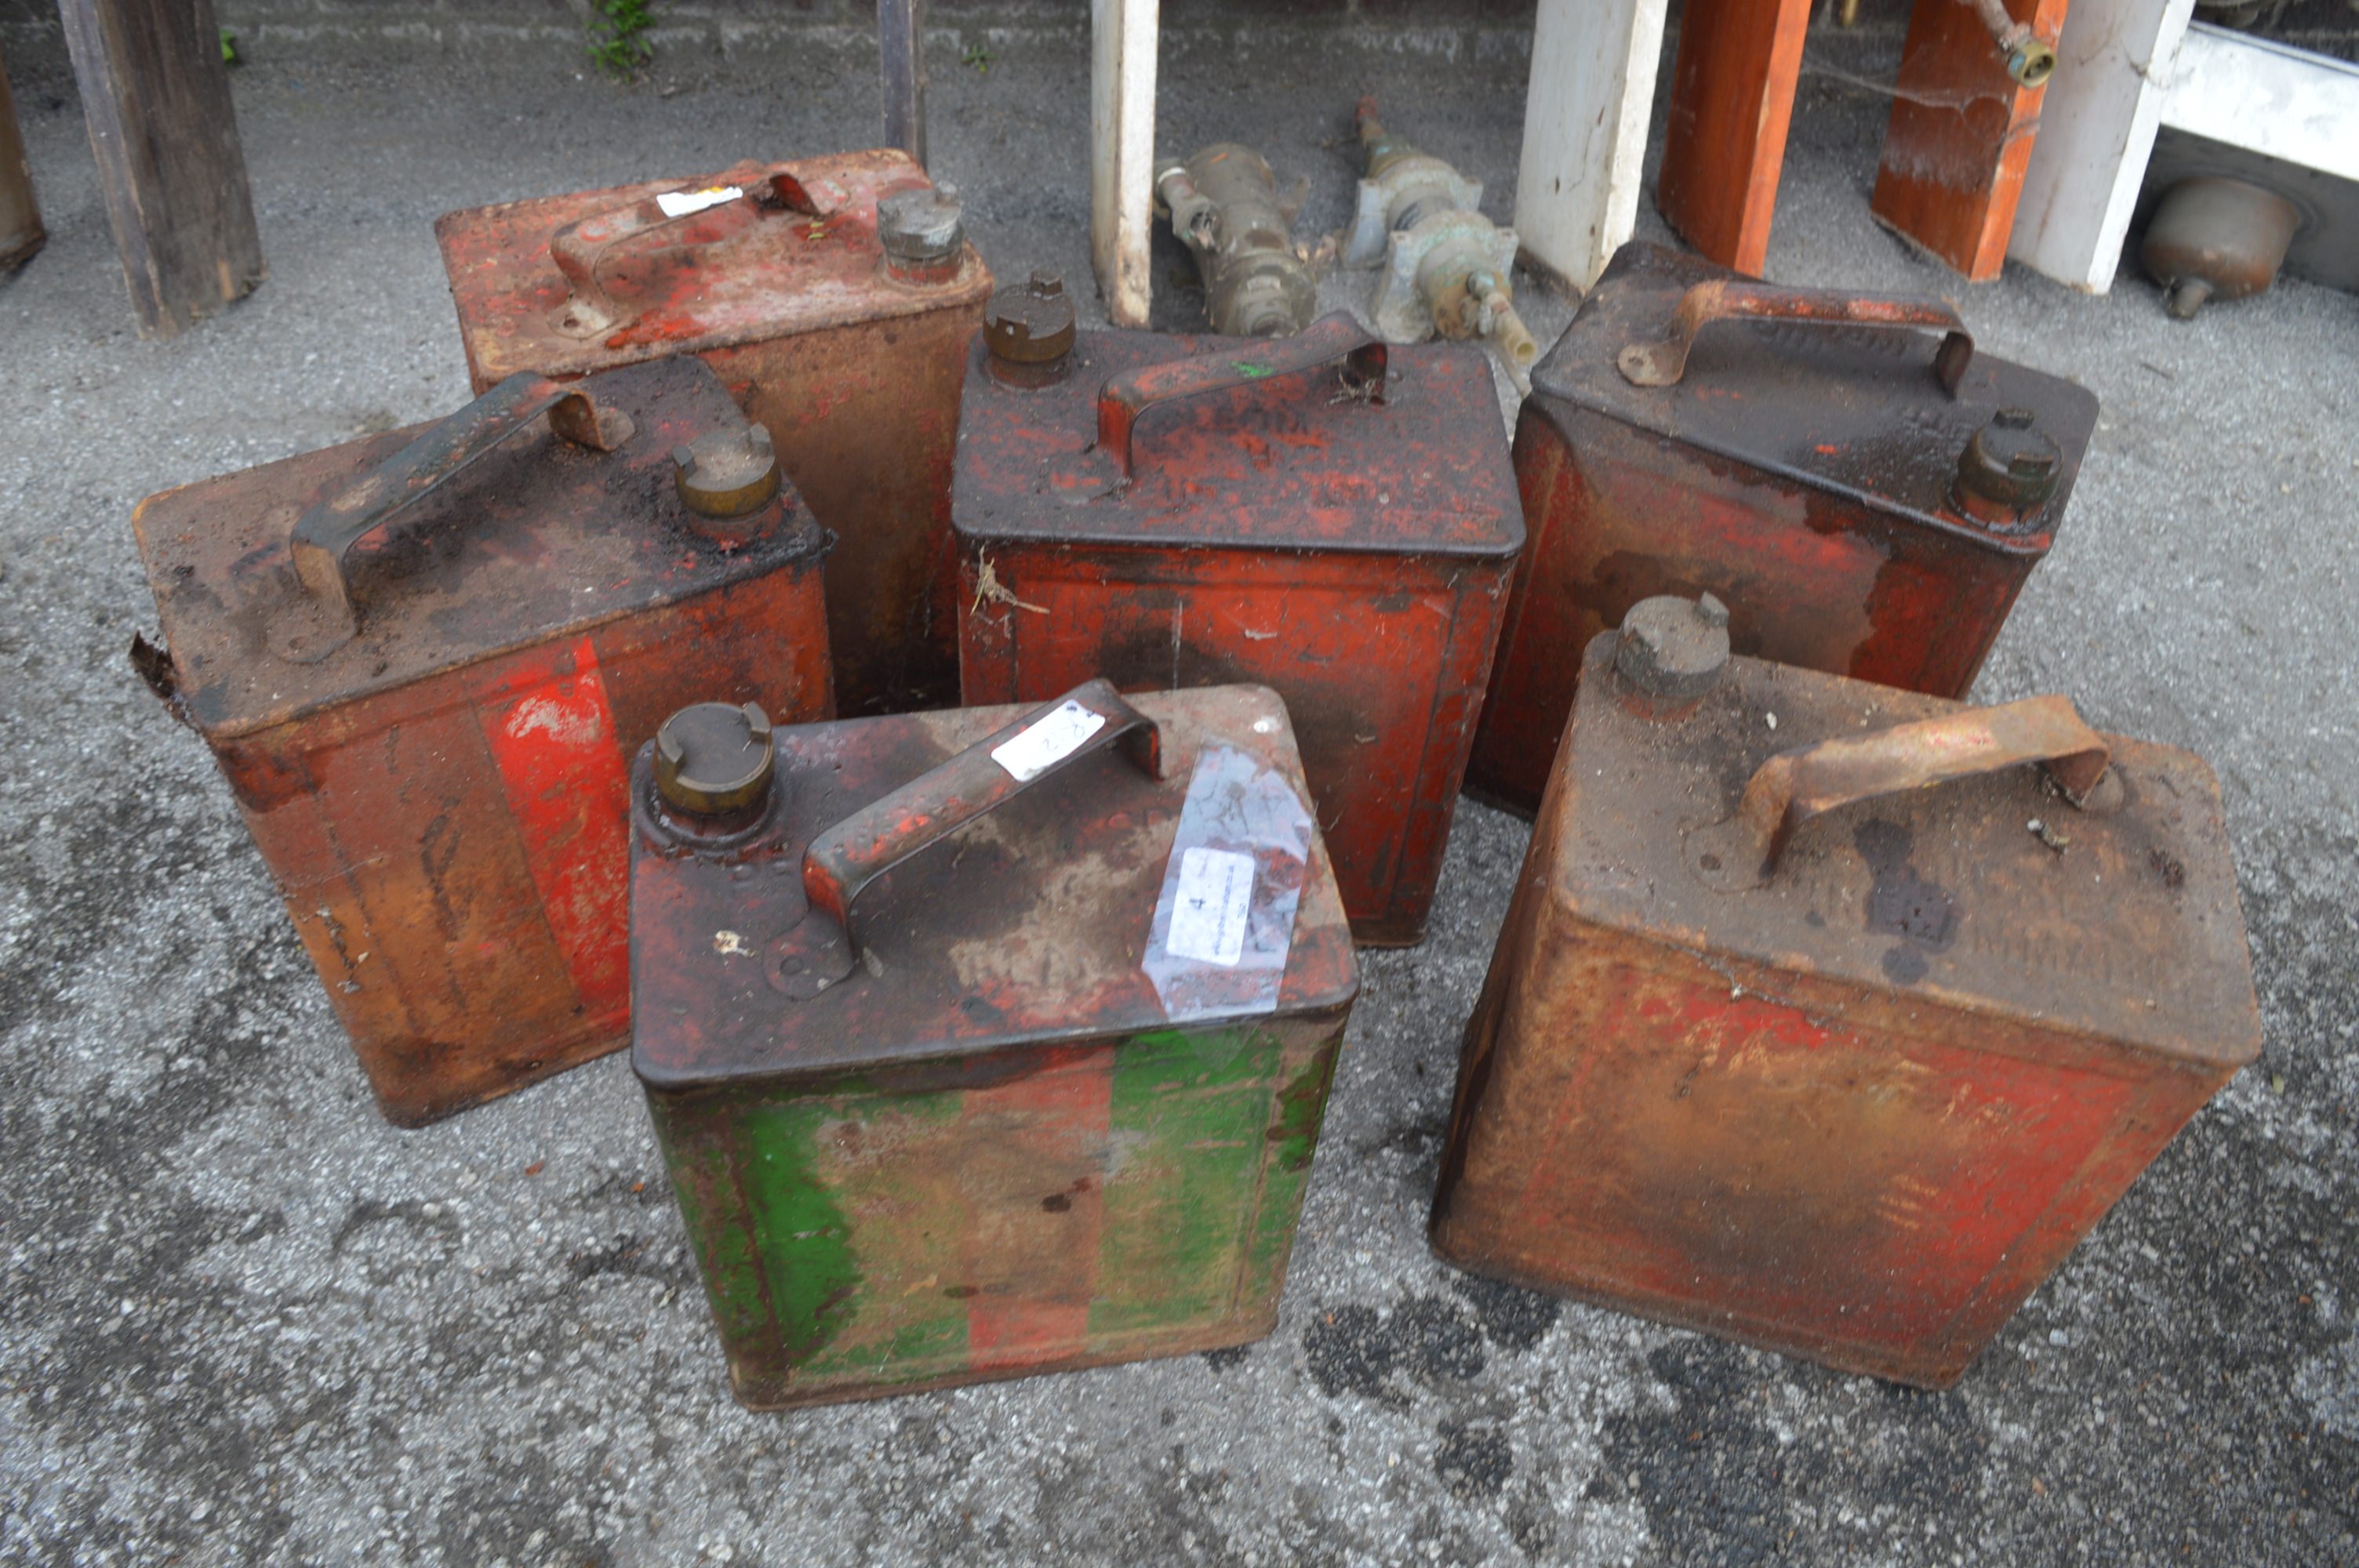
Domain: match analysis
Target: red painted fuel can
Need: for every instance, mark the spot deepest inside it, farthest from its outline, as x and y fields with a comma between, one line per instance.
x=1865, y=498
x=424, y=662
x=834, y=296
x=985, y=1042
x=1321, y=514
x=1825, y=1020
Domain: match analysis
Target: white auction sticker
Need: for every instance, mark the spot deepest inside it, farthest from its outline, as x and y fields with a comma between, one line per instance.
x=680, y=204
x=1208, y=913
x=1040, y=746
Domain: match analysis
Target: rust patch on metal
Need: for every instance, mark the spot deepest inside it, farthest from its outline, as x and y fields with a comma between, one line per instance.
x=1804, y=468
x=786, y=292
x=440, y=795
x=1323, y=516
x=1857, y=1111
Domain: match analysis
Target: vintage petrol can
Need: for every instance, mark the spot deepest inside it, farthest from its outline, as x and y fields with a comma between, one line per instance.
x=424, y=662
x=1324, y=515
x=1867, y=499
x=1834, y=1034
x=833, y=296
x=985, y=1042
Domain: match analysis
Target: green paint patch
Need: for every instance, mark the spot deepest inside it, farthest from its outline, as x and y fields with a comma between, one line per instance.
x=1302, y=1107
x=702, y=1180
x=804, y=1240
x=1188, y=1121
x=1250, y=371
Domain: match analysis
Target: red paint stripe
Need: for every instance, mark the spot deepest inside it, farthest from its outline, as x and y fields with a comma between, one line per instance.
x=569, y=791
x=1059, y=1116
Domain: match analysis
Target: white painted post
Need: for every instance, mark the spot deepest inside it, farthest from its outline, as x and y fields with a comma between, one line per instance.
x=2097, y=123
x=1122, y=152
x=1585, y=112
x=2285, y=104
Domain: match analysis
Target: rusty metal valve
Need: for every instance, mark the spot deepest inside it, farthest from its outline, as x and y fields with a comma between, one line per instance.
x=1028, y=327
x=715, y=759
x=1446, y=266
x=726, y=473
x=922, y=233
x=1673, y=648
x=2008, y=470
x=1225, y=208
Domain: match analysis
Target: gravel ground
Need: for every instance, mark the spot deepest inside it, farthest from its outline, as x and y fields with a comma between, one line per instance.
x=249, y=1322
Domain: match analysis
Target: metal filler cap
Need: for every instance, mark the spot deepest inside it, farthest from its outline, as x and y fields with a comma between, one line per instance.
x=1673, y=648
x=726, y=473
x=924, y=227
x=714, y=758
x=1030, y=323
x=2008, y=470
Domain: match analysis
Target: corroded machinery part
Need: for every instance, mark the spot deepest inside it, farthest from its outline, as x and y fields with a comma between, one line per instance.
x=1447, y=268
x=1401, y=187
x=2217, y=239
x=1226, y=209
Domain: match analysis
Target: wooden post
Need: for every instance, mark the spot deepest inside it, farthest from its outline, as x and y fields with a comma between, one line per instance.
x=1122, y=152
x=1593, y=87
x=156, y=96
x=20, y=216
x=1731, y=100
x=900, y=30
x=1959, y=137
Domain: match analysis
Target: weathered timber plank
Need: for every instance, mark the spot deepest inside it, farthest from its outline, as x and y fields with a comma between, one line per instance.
x=157, y=95
x=900, y=36
x=20, y=216
x=1731, y=100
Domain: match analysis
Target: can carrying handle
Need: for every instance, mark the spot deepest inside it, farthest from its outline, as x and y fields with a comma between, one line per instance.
x=324, y=621
x=843, y=859
x=1793, y=786
x=1730, y=299
x=582, y=246
x=1125, y=398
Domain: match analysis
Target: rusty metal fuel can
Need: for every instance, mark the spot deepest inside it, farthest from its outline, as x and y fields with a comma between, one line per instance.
x=1823, y=1019
x=985, y=1042
x=1865, y=498
x=833, y=296
x=1324, y=515
x=424, y=662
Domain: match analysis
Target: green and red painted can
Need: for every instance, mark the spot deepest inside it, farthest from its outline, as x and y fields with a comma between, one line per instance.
x=978, y=1044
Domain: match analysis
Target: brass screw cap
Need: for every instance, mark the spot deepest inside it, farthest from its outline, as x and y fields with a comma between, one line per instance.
x=1673, y=648
x=922, y=227
x=726, y=473
x=2008, y=470
x=1030, y=323
x=714, y=758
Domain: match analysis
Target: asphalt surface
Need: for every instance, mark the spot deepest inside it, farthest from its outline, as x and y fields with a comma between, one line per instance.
x=249, y=1322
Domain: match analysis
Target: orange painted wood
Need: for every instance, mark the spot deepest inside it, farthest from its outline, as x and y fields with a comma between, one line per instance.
x=1732, y=99
x=1960, y=137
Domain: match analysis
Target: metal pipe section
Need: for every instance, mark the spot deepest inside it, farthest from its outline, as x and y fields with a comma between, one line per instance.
x=1226, y=209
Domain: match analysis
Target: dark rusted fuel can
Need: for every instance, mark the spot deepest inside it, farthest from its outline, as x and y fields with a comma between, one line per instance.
x=1825, y=1020
x=1324, y=515
x=834, y=296
x=987, y=1042
x=424, y=662
x=1865, y=498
